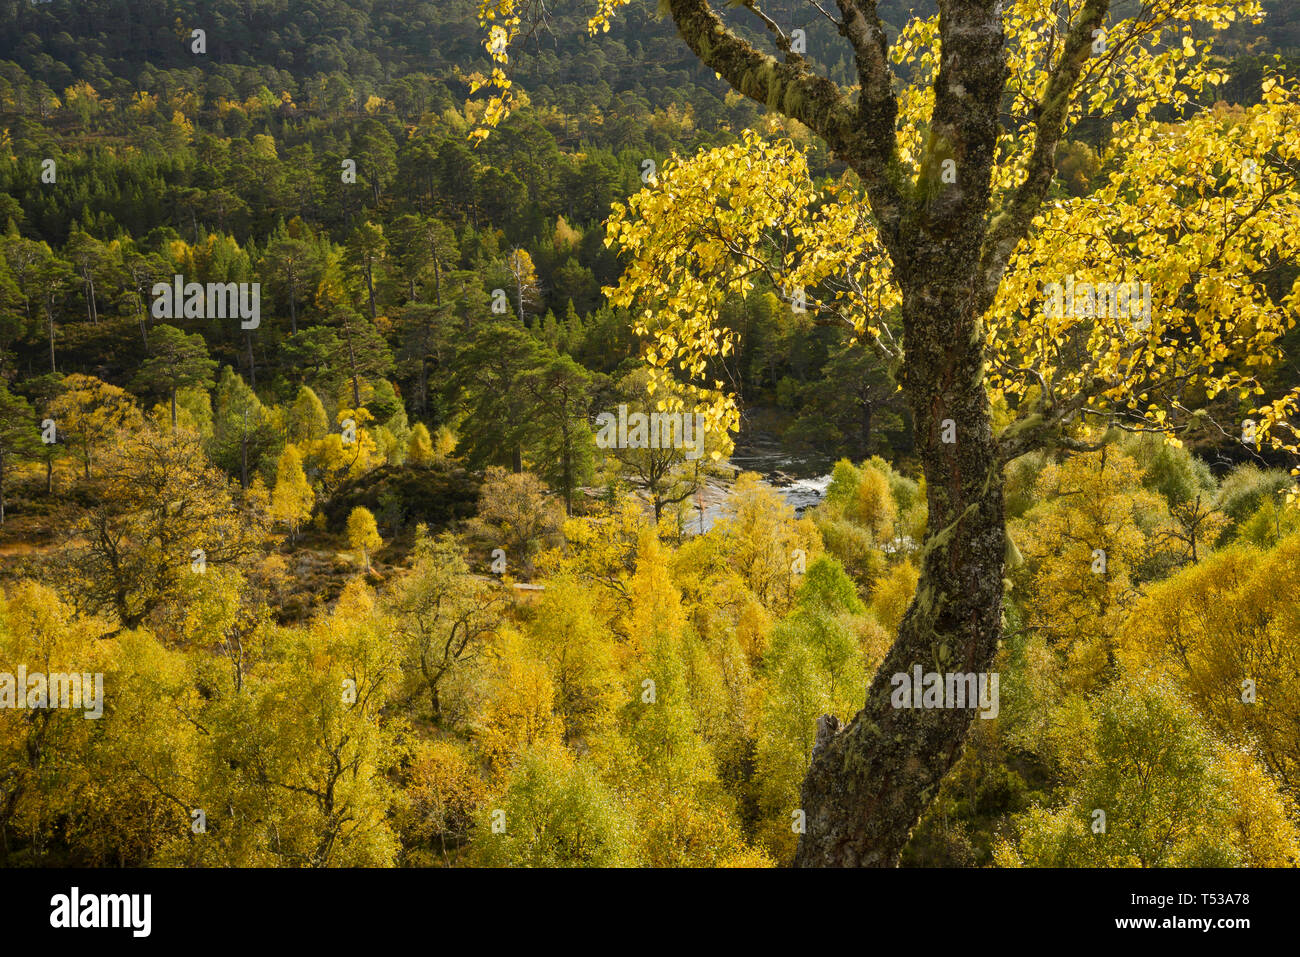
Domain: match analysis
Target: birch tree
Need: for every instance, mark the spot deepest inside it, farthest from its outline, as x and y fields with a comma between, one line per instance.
x=949, y=217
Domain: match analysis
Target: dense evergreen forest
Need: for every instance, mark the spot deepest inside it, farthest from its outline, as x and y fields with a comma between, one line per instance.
x=365, y=581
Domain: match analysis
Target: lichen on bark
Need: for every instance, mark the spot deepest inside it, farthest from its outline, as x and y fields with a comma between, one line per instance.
x=870, y=781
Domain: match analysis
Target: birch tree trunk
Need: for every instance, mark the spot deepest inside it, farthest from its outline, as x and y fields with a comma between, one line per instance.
x=870, y=781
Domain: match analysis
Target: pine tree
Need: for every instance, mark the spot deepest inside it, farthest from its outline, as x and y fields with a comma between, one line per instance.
x=177, y=361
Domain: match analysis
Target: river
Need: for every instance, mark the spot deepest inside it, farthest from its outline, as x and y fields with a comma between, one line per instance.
x=800, y=478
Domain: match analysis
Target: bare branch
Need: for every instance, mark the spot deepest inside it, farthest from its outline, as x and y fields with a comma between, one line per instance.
x=778, y=35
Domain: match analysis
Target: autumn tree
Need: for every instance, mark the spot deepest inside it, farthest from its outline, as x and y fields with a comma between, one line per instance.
x=1168, y=796
x=324, y=776
x=952, y=225
x=523, y=280
x=363, y=534
x=89, y=411
x=19, y=436
x=306, y=420
x=419, y=446
x=1222, y=630
x=581, y=655
x=160, y=511
x=1085, y=548
x=444, y=616
x=557, y=813
x=292, y=498
x=348, y=451
x=515, y=514
x=440, y=801
x=37, y=747
x=814, y=665
x=766, y=545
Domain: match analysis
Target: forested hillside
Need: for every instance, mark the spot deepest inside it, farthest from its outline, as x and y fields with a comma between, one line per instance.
x=370, y=572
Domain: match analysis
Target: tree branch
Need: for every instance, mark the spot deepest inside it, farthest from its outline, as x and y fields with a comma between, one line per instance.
x=877, y=110
x=1011, y=226
x=863, y=136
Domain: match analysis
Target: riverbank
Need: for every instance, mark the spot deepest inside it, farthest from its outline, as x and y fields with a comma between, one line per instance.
x=800, y=478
